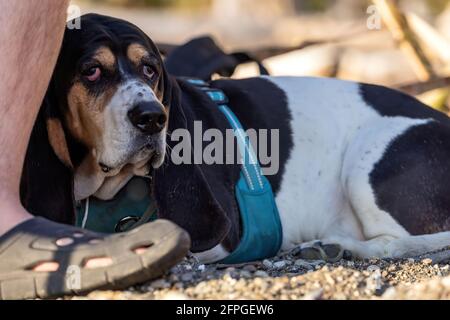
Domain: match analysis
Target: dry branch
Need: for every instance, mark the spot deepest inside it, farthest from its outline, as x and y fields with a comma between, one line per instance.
x=418, y=88
x=405, y=38
x=430, y=38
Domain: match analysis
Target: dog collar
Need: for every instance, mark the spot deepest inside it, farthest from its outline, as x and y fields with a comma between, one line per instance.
x=261, y=226
x=131, y=207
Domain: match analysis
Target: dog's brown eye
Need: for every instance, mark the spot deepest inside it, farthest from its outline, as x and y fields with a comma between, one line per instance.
x=93, y=74
x=149, y=72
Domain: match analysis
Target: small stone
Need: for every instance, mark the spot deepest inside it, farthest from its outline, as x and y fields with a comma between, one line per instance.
x=187, y=277
x=230, y=270
x=201, y=268
x=268, y=264
x=179, y=286
x=250, y=268
x=373, y=268
x=350, y=264
x=174, y=278
x=261, y=274
x=427, y=261
x=392, y=268
x=303, y=264
x=245, y=274
x=280, y=264
x=316, y=262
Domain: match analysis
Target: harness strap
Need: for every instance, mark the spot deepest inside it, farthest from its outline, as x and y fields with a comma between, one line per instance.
x=261, y=225
x=249, y=161
x=250, y=165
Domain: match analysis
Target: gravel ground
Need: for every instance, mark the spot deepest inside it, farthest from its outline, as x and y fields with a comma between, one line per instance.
x=287, y=277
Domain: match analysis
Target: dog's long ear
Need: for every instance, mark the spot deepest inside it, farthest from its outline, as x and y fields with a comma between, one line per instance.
x=47, y=178
x=167, y=84
x=185, y=197
x=58, y=141
x=198, y=197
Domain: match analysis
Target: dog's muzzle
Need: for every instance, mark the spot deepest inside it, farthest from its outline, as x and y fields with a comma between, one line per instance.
x=149, y=117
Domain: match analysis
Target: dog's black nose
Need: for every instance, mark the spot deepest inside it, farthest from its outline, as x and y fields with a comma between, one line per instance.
x=148, y=117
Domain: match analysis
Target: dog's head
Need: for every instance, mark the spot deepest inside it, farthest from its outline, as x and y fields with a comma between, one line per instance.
x=113, y=96
x=105, y=120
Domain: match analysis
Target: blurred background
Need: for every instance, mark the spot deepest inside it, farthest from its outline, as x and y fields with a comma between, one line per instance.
x=402, y=44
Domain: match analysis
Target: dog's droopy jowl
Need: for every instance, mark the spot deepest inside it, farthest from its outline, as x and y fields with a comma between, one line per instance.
x=360, y=165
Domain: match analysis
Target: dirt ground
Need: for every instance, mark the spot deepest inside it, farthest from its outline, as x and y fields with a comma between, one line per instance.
x=288, y=278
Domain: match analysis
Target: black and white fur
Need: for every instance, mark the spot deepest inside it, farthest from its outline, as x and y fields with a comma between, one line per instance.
x=362, y=166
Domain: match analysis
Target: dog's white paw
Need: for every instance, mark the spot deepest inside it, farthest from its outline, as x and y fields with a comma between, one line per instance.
x=316, y=250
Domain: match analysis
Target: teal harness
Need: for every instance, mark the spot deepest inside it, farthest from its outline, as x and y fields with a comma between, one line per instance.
x=261, y=226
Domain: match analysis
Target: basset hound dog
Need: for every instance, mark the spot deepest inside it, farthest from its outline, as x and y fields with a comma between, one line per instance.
x=361, y=166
